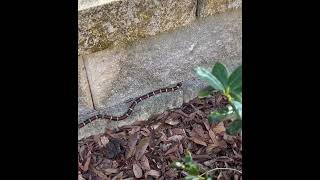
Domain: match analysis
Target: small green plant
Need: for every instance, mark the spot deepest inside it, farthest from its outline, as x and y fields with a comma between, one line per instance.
x=230, y=85
x=190, y=168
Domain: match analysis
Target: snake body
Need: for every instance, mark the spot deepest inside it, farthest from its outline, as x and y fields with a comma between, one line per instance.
x=131, y=107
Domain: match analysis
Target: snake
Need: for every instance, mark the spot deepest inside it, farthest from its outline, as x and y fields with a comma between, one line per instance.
x=131, y=107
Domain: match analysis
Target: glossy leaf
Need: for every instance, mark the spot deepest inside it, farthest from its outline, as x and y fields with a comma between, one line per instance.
x=235, y=79
x=221, y=72
x=207, y=76
x=217, y=116
x=192, y=169
x=234, y=127
x=238, y=108
x=192, y=178
x=236, y=96
x=237, y=90
x=187, y=157
x=205, y=92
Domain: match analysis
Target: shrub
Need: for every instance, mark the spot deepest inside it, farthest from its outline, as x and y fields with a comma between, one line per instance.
x=230, y=85
x=190, y=168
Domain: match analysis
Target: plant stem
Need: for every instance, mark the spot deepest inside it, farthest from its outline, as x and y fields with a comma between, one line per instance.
x=221, y=169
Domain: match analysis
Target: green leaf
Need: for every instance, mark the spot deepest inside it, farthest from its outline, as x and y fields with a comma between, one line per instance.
x=236, y=96
x=192, y=177
x=217, y=116
x=188, y=157
x=238, y=107
x=234, y=127
x=238, y=89
x=192, y=169
x=235, y=79
x=221, y=72
x=207, y=76
x=205, y=92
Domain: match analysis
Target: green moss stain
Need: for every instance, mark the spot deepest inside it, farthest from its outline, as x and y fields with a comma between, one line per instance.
x=124, y=34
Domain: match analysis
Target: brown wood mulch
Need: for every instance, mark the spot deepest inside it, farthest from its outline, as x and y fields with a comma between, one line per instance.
x=146, y=150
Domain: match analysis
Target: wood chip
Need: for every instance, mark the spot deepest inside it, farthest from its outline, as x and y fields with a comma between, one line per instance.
x=173, y=157
x=219, y=128
x=87, y=163
x=171, y=173
x=209, y=163
x=180, y=149
x=210, y=147
x=152, y=173
x=198, y=141
x=134, y=130
x=212, y=136
x=100, y=174
x=115, y=164
x=118, y=176
x=214, y=148
x=207, y=125
x=146, y=130
x=131, y=145
x=175, y=138
x=105, y=164
x=80, y=177
x=110, y=133
x=165, y=147
x=144, y=133
x=172, y=121
x=201, y=156
x=171, y=150
x=229, y=139
x=163, y=137
x=178, y=131
x=199, y=130
x=156, y=126
x=110, y=171
x=104, y=140
x=141, y=148
x=120, y=135
x=145, y=163
x=137, y=170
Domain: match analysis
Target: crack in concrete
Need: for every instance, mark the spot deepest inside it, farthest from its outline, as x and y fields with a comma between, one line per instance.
x=90, y=91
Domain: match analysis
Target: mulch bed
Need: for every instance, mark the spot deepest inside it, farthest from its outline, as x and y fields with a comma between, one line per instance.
x=146, y=150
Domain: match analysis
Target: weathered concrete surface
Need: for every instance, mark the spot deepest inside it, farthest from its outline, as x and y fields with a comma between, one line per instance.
x=85, y=4
x=121, y=22
x=115, y=75
x=103, y=70
x=234, y=4
x=211, y=7
x=162, y=60
x=84, y=96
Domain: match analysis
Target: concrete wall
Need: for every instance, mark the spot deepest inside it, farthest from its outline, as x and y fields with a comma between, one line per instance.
x=108, y=23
